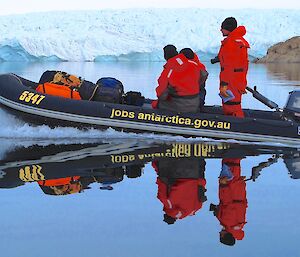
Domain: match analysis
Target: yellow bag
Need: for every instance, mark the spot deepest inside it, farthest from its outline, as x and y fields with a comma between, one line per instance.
x=63, y=78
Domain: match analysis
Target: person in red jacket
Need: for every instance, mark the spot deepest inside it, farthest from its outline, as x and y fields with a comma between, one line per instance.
x=231, y=211
x=233, y=58
x=178, y=88
x=192, y=56
x=181, y=187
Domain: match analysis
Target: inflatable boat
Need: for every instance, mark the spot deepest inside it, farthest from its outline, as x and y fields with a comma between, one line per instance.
x=18, y=95
x=109, y=162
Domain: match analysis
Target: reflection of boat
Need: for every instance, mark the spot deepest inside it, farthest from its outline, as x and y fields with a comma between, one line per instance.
x=292, y=162
x=39, y=163
x=109, y=162
x=19, y=96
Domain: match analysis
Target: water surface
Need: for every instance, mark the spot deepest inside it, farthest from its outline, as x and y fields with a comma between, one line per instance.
x=93, y=193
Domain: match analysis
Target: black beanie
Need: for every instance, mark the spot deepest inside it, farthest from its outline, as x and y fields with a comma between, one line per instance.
x=227, y=239
x=168, y=219
x=188, y=53
x=229, y=24
x=169, y=51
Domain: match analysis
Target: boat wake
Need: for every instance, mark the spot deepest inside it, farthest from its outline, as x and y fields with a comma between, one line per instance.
x=15, y=132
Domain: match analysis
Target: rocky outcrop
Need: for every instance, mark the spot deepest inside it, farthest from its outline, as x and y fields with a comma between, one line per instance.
x=283, y=52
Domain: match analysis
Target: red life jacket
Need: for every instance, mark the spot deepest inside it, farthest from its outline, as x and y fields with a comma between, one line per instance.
x=200, y=64
x=203, y=72
x=181, y=74
x=234, y=61
x=181, y=199
x=58, y=90
x=233, y=201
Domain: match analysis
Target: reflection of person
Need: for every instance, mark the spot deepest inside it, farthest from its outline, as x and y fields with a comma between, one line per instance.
x=233, y=58
x=178, y=88
x=109, y=177
x=181, y=187
x=115, y=175
x=190, y=55
x=231, y=211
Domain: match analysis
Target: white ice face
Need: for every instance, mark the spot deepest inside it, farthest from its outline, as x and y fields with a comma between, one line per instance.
x=135, y=33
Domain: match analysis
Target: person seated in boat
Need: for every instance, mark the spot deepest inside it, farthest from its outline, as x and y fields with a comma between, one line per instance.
x=192, y=56
x=181, y=187
x=178, y=88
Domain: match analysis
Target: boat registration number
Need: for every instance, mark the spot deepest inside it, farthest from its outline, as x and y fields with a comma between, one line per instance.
x=31, y=173
x=30, y=97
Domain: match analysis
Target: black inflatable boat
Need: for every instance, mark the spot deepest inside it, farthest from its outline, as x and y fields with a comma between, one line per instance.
x=19, y=96
x=109, y=162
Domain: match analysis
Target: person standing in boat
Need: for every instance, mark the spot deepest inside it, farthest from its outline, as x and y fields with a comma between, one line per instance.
x=231, y=210
x=192, y=56
x=233, y=58
x=178, y=88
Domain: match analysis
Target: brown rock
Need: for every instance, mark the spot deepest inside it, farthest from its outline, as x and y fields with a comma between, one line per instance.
x=283, y=52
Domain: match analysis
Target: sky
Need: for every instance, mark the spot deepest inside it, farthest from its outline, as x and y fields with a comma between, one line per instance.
x=25, y=6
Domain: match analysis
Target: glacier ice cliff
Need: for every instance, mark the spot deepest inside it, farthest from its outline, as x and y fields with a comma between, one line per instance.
x=135, y=34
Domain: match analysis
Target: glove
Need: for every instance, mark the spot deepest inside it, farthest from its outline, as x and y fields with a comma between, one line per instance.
x=215, y=60
x=223, y=90
x=223, y=181
x=154, y=104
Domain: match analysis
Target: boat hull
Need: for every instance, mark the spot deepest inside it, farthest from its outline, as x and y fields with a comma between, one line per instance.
x=19, y=97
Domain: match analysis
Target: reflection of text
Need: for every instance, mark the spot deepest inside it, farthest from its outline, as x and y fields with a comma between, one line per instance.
x=177, y=150
x=174, y=119
x=31, y=173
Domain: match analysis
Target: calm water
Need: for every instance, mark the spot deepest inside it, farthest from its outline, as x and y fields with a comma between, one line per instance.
x=123, y=198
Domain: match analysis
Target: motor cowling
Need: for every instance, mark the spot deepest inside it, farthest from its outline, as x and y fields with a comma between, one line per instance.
x=293, y=104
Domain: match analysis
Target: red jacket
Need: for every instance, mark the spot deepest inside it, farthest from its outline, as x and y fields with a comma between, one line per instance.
x=180, y=199
x=233, y=201
x=200, y=64
x=181, y=74
x=233, y=56
x=203, y=72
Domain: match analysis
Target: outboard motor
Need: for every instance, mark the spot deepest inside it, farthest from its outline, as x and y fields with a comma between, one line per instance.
x=292, y=107
x=293, y=165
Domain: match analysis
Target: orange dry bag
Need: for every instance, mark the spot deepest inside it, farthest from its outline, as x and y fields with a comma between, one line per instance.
x=58, y=90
